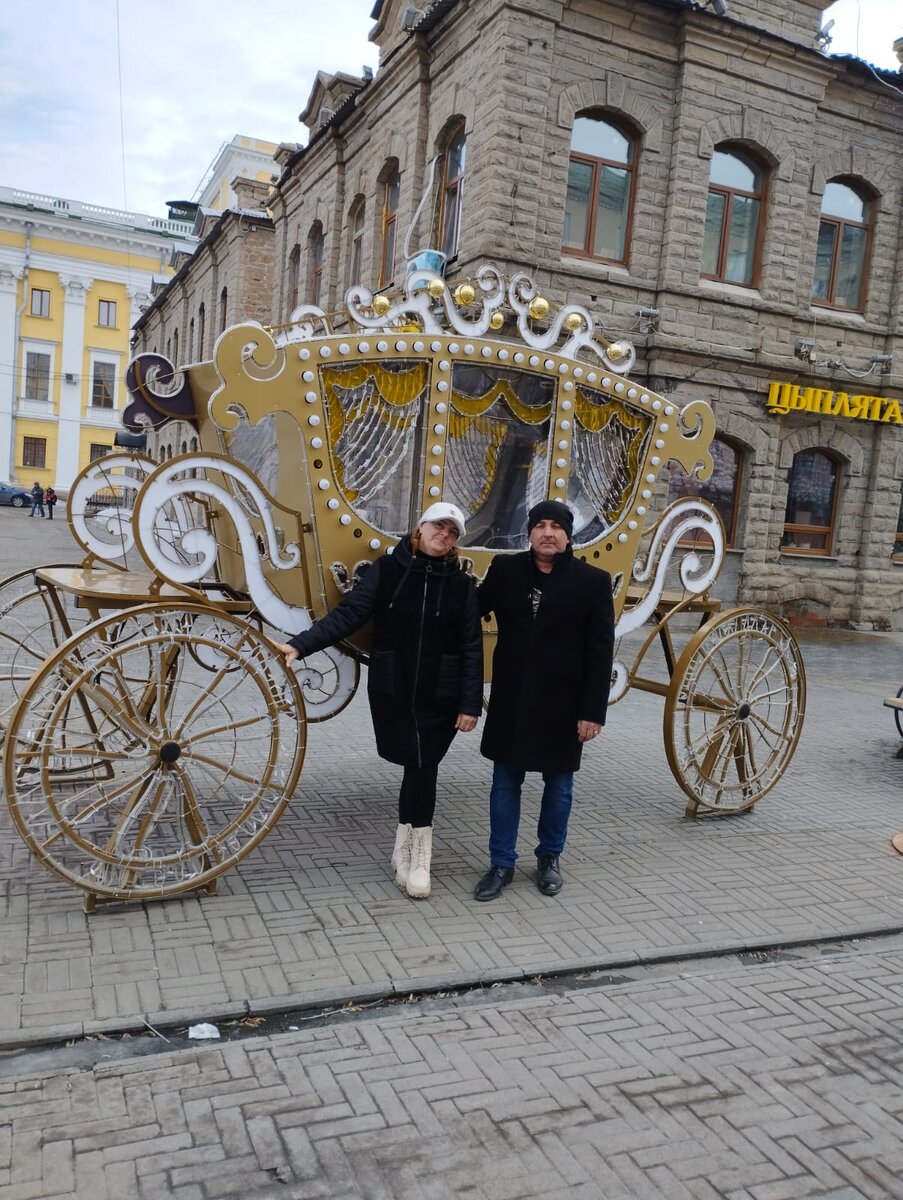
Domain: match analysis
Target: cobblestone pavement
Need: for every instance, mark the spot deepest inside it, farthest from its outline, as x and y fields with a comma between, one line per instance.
x=313, y=917
x=744, y=1081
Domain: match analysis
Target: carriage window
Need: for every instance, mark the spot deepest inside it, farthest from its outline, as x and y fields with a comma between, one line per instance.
x=732, y=218
x=608, y=445
x=599, y=191
x=721, y=489
x=811, y=501
x=842, y=250
x=373, y=412
x=898, y=541
x=497, y=456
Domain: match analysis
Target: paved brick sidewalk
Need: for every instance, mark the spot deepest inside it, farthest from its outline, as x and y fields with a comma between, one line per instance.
x=313, y=914
x=742, y=1082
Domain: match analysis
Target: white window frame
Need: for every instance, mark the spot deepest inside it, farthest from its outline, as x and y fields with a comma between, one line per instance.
x=104, y=416
x=36, y=408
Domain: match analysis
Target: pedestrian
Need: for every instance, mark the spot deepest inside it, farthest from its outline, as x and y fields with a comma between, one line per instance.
x=425, y=678
x=50, y=500
x=37, y=499
x=551, y=673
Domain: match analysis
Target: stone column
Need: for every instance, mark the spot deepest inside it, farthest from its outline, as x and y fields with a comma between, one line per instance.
x=8, y=382
x=72, y=396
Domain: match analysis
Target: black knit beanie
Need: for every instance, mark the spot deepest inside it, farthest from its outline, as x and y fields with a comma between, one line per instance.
x=551, y=510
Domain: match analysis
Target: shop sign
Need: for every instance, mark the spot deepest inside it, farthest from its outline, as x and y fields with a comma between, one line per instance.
x=784, y=398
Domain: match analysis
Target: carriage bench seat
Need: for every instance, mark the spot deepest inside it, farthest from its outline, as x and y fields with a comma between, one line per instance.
x=98, y=591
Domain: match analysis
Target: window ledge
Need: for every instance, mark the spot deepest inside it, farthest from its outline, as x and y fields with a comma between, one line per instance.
x=846, y=316
x=732, y=291
x=593, y=267
x=831, y=558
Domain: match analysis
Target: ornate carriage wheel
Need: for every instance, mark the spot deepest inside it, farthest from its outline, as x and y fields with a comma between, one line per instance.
x=30, y=630
x=153, y=751
x=734, y=710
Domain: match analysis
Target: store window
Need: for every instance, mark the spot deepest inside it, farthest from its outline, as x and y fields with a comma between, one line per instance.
x=356, y=267
x=390, y=211
x=721, y=489
x=842, y=253
x=733, y=218
x=316, y=252
x=106, y=314
x=40, y=302
x=452, y=192
x=811, y=503
x=600, y=187
x=37, y=376
x=103, y=385
x=34, y=452
x=898, y=540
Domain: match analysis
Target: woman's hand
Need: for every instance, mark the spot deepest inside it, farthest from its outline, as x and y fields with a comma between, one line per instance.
x=289, y=653
x=465, y=723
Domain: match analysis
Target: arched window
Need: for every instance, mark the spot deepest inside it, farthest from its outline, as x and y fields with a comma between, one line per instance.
x=356, y=262
x=191, y=340
x=175, y=347
x=391, y=189
x=202, y=329
x=294, y=276
x=898, y=540
x=811, y=503
x=600, y=190
x=721, y=489
x=452, y=193
x=223, y=308
x=316, y=250
x=841, y=256
x=733, y=218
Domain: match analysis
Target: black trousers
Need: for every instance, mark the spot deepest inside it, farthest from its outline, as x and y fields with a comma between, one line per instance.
x=417, y=798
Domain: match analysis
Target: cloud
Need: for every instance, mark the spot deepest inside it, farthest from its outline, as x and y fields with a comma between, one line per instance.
x=190, y=80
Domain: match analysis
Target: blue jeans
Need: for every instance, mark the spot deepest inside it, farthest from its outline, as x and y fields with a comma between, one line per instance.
x=504, y=813
x=35, y=505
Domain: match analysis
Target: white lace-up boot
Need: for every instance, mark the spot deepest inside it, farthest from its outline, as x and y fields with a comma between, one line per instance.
x=401, y=855
x=418, y=884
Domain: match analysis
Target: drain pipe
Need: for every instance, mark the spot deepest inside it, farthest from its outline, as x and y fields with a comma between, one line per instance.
x=17, y=349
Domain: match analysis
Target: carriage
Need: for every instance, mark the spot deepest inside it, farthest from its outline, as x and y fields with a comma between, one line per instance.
x=152, y=736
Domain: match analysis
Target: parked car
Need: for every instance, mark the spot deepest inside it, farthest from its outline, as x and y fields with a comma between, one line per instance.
x=11, y=493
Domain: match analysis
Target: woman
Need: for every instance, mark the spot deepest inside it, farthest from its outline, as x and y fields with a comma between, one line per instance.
x=425, y=680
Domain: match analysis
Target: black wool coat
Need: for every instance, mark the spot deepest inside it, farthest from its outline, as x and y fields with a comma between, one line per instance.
x=426, y=662
x=549, y=671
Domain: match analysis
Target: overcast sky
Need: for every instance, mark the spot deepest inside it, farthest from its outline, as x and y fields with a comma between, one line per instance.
x=196, y=72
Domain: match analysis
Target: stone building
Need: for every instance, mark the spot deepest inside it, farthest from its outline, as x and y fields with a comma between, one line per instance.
x=710, y=184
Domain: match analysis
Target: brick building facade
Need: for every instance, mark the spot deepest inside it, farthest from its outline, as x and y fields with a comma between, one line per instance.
x=710, y=185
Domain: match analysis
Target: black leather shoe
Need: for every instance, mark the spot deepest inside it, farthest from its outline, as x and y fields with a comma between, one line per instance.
x=490, y=886
x=548, y=876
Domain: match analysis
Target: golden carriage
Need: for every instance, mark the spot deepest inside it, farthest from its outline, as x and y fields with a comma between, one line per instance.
x=152, y=736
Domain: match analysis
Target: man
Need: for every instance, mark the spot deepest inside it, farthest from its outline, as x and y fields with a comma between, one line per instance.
x=37, y=499
x=551, y=673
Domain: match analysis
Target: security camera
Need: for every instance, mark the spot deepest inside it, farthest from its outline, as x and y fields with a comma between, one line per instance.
x=719, y=7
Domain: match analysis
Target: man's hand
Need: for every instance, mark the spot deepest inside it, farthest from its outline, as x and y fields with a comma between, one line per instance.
x=289, y=653
x=586, y=730
x=465, y=723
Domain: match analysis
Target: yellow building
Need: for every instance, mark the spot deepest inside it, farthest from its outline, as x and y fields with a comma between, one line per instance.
x=73, y=280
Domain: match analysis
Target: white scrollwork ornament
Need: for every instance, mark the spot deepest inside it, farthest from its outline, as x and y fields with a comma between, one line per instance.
x=105, y=529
